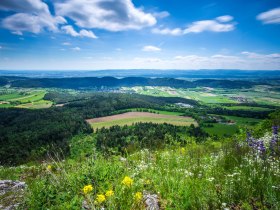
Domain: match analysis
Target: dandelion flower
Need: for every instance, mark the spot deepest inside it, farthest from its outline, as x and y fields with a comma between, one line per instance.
x=100, y=198
x=127, y=181
x=109, y=193
x=138, y=197
x=87, y=189
x=49, y=167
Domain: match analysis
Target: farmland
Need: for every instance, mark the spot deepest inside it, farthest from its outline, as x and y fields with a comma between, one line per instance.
x=23, y=98
x=258, y=94
x=130, y=118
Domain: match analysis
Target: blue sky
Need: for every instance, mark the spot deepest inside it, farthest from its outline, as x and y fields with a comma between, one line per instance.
x=134, y=34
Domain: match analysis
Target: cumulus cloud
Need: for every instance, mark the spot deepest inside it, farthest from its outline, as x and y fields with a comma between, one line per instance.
x=270, y=17
x=21, y=22
x=112, y=15
x=150, y=48
x=33, y=16
x=219, y=24
x=68, y=29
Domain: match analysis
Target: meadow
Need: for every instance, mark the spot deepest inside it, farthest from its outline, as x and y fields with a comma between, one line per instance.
x=213, y=175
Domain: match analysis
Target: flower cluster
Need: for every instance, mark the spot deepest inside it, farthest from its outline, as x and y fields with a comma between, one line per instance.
x=259, y=144
x=127, y=181
x=138, y=197
x=87, y=189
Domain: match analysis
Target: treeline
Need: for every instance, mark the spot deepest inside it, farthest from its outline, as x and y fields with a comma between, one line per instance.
x=125, y=139
x=96, y=82
x=104, y=104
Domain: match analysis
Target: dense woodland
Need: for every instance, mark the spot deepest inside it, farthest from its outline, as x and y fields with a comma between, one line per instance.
x=144, y=135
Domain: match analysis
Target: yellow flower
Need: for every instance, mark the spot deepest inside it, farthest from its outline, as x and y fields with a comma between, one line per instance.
x=109, y=193
x=100, y=198
x=49, y=167
x=87, y=189
x=138, y=197
x=127, y=181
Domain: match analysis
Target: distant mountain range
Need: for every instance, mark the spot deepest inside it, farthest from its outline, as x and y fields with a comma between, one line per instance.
x=112, y=82
x=186, y=74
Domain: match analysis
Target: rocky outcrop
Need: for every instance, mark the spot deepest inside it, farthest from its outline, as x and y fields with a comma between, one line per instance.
x=11, y=194
x=151, y=201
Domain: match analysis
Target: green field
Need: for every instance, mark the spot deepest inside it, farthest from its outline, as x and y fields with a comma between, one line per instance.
x=259, y=94
x=23, y=98
x=222, y=129
x=130, y=118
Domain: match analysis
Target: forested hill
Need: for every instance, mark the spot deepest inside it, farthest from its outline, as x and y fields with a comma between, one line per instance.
x=95, y=82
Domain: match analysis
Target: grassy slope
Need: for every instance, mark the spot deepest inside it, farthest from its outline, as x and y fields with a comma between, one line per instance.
x=208, y=176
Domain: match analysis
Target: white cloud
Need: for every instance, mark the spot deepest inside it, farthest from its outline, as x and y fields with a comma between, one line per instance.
x=219, y=24
x=224, y=19
x=76, y=48
x=168, y=31
x=83, y=33
x=209, y=25
x=117, y=15
x=270, y=17
x=162, y=14
x=26, y=6
x=150, y=48
x=21, y=22
x=254, y=55
x=66, y=43
x=33, y=16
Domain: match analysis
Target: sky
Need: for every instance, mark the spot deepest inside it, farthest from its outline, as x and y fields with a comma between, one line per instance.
x=139, y=34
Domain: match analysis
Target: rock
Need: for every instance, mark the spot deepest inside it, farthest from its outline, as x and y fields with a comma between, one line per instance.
x=11, y=194
x=151, y=201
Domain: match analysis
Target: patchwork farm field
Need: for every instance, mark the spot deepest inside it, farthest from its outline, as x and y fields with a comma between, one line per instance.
x=23, y=98
x=262, y=95
x=133, y=117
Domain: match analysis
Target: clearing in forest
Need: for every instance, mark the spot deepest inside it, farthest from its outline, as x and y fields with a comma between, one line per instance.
x=133, y=117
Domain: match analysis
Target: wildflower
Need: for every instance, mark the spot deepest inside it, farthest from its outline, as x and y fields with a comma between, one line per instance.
x=87, y=189
x=100, y=198
x=138, y=197
x=109, y=193
x=127, y=181
x=49, y=167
